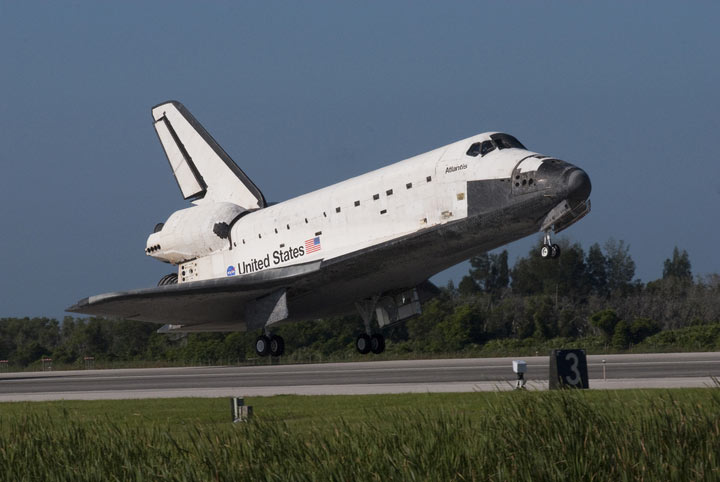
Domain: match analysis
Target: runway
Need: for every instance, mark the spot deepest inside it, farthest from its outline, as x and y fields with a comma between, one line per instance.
x=453, y=375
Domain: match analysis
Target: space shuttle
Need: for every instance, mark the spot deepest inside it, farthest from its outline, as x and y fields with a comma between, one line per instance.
x=367, y=245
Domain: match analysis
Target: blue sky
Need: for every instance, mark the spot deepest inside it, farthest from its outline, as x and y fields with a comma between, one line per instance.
x=303, y=95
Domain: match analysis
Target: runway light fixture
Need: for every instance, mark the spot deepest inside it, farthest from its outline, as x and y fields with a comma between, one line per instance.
x=520, y=367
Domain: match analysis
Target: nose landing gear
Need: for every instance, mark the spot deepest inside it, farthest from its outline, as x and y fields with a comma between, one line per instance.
x=549, y=250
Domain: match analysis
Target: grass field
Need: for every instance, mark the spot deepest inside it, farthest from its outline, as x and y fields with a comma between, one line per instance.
x=567, y=435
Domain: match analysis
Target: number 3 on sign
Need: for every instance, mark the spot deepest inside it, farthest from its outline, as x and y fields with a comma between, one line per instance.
x=568, y=369
x=575, y=378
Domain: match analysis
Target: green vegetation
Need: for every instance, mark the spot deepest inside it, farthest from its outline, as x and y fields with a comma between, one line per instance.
x=565, y=435
x=589, y=300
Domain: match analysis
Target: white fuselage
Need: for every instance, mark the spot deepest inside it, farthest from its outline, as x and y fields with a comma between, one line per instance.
x=415, y=194
x=368, y=243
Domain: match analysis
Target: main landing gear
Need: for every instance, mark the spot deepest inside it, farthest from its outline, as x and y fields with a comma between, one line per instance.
x=369, y=341
x=549, y=250
x=272, y=345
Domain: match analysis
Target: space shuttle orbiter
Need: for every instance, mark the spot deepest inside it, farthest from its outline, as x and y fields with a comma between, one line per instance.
x=368, y=243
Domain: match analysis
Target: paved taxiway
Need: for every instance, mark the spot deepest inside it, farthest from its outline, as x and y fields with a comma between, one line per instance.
x=455, y=375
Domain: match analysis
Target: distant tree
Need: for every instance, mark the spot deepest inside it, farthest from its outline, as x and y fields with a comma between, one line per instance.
x=490, y=272
x=449, y=288
x=570, y=323
x=605, y=320
x=641, y=328
x=128, y=339
x=421, y=327
x=29, y=352
x=528, y=276
x=453, y=332
x=620, y=265
x=540, y=310
x=502, y=321
x=621, y=335
x=597, y=270
x=678, y=267
x=235, y=346
x=160, y=346
x=468, y=286
x=565, y=276
x=91, y=338
x=502, y=278
x=523, y=323
x=25, y=340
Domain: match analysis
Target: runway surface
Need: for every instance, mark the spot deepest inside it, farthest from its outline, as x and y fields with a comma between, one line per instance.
x=455, y=375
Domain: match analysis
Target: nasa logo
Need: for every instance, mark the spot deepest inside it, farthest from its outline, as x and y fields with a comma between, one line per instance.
x=231, y=271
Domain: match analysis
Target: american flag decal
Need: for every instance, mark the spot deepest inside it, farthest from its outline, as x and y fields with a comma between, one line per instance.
x=312, y=245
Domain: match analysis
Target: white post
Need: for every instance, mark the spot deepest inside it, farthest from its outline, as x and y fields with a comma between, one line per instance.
x=239, y=411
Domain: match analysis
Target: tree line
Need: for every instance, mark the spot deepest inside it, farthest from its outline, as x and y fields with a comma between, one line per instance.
x=585, y=298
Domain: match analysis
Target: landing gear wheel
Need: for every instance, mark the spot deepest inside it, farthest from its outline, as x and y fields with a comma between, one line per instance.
x=277, y=345
x=377, y=343
x=262, y=345
x=554, y=251
x=362, y=343
x=545, y=251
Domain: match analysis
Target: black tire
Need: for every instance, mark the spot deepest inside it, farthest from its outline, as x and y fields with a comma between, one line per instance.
x=554, y=251
x=377, y=343
x=362, y=343
x=277, y=345
x=545, y=251
x=168, y=279
x=262, y=345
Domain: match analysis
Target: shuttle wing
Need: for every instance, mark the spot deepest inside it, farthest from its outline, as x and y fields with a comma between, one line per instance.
x=218, y=302
x=202, y=169
x=222, y=304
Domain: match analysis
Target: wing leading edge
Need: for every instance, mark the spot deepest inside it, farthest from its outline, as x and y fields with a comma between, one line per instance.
x=219, y=302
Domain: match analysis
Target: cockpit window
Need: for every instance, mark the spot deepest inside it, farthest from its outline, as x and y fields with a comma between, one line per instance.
x=506, y=141
x=487, y=146
x=500, y=141
x=481, y=148
x=474, y=150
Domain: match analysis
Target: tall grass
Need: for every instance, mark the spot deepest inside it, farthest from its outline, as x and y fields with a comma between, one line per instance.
x=568, y=435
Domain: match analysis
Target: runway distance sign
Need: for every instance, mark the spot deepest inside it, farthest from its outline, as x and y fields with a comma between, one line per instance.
x=568, y=369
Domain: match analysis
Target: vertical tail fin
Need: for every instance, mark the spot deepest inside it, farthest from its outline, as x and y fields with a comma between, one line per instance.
x=202, y=169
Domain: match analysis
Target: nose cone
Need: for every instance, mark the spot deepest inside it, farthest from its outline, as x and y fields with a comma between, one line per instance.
x=578, y=185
